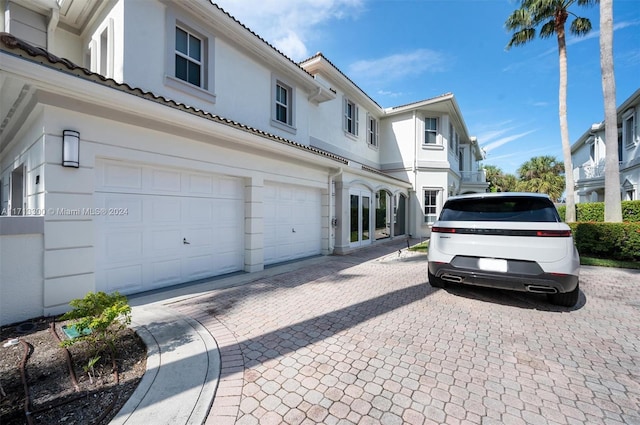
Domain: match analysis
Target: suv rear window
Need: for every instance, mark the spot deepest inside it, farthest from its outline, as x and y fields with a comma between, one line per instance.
x=500, y=209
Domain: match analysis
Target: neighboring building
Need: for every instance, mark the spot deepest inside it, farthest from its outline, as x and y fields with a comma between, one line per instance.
x=203, y=151
x=588, y=155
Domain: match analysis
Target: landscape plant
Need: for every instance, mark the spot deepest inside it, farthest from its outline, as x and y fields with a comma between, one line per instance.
x=97, y=318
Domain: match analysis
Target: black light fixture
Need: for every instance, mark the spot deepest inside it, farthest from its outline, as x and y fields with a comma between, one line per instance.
x=70, y=148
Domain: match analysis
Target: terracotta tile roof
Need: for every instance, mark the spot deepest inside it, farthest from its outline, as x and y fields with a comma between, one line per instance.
x=20, y=48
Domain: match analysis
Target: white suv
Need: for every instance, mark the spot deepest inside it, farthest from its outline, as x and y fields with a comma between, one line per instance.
x=513, y=241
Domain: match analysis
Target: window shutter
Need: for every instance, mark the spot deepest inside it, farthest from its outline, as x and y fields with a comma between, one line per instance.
x=377, y=124
x=345, y=118
x=357, y=113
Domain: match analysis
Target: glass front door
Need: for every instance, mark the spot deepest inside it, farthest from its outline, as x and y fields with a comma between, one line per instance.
x=360, y=218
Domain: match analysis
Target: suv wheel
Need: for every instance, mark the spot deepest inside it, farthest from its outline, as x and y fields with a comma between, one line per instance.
x=435, y=282
x=567, y=299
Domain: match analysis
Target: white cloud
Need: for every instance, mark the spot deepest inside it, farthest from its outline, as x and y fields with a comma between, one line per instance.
x=398, y=66
x=288, y=24
x=504, y=140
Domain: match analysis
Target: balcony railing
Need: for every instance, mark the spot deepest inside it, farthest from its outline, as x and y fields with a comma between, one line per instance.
x=591, y=171
x=474, y=176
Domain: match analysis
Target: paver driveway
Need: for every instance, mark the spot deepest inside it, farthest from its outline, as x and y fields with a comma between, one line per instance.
x=364, y=339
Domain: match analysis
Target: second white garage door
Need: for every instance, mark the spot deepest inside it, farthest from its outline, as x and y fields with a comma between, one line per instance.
x=292, y=222
x=165, y=226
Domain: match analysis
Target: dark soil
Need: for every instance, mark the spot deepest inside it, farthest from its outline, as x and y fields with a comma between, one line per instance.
x=50, y=395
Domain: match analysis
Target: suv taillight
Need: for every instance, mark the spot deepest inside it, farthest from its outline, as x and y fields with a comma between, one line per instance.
x=554, y=233
x=437, y=229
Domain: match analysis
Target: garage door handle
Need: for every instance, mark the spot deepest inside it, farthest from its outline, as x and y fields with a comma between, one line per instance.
x=184, y=241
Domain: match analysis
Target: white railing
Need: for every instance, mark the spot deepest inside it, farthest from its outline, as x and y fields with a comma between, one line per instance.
x=474, y=176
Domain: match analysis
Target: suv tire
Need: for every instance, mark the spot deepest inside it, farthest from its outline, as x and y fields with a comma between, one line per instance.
x=567, y=299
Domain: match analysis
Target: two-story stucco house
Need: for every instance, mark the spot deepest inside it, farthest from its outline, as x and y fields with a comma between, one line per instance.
x=173, y=144
x=588, y=155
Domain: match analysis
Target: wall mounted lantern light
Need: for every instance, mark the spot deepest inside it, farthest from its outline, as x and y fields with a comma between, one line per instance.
x=70, y=148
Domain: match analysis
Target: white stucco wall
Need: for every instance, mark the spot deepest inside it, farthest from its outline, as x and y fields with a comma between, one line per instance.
x=21, y=289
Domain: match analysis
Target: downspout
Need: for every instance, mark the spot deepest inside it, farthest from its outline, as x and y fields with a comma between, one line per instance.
x=332, y=211
x=51, y=27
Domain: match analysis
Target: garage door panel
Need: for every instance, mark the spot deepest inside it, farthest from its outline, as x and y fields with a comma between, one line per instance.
x=198, y=184
x=164, y=241
x=199, y=210
x=119, y=176
x=165, y=272
x=230, y=188
x=123, y=246
x=166, y=181
x=127, y=279
x=199, y=237
x=199, y=267
x=165, y=210
x=292, y=222
x=144, y=249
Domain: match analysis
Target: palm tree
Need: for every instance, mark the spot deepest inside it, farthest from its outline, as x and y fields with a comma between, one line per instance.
x=498, y=180
x=542, y=174
x=552, y=15
x=612, y=198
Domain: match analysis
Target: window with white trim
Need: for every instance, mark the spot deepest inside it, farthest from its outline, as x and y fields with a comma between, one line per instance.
x=431, y=197
x=372, y=130
x=628, y=129
x=350, y=113
x=620, y=156
x=189, y=57
x=430, y=131
x=282, y=104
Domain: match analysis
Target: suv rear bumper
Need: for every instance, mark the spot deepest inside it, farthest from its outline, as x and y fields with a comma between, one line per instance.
x=537, y=282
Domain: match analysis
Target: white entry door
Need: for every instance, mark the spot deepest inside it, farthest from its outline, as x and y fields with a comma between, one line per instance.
x=165, y=226
x=292, y=222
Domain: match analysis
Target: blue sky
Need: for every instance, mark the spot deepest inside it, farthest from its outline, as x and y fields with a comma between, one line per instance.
x=401, y=51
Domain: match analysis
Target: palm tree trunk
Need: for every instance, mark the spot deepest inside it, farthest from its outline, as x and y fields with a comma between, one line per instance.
x=564, y=126
x=612, y=198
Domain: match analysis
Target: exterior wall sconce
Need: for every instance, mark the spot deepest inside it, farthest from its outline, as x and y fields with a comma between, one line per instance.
x=70, y=148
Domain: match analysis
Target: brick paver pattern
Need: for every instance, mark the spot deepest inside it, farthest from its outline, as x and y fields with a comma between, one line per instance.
x=364, y=339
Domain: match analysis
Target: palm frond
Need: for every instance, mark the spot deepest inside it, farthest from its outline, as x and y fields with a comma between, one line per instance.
x=548, y=29
x=580, y=26
x=522, y=37
x=520, y=18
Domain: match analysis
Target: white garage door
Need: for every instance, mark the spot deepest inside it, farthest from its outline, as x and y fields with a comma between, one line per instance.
x=292, y=222
x=161, y=226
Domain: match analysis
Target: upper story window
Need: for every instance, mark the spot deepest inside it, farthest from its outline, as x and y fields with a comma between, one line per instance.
x=629, y=129
x=372, y=130
x=430, y=131
x=351, y=111
x=188, y=57
x=283, y=105
x=592, y=151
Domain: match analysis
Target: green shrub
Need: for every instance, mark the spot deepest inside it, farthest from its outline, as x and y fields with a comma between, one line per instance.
x=594, y=211
x=100, y=313
x=631, y=211
x=618, y=241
